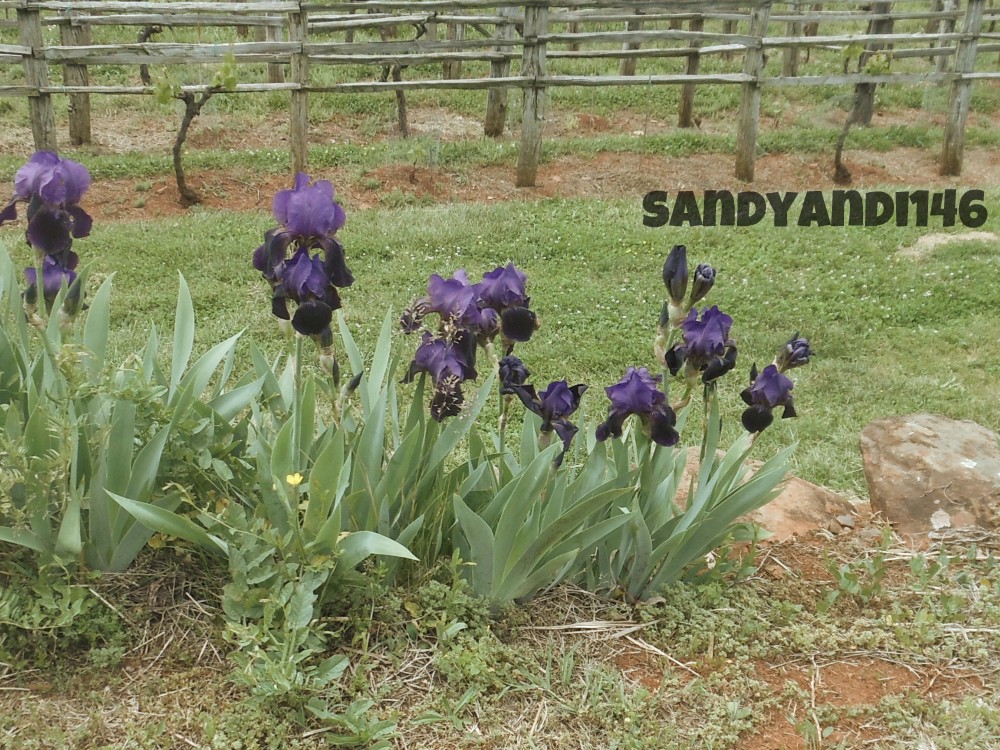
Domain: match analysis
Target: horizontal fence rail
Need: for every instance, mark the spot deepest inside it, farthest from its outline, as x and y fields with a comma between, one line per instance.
x=522, y=45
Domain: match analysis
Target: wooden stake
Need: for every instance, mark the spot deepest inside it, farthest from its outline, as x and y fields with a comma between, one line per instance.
x=36, y=75
x=536, y=20
x=961, y=90
x=76, y=75
x=299, y=115
x=753, y=65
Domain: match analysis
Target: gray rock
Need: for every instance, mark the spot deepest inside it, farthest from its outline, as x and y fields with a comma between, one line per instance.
x=926, y=472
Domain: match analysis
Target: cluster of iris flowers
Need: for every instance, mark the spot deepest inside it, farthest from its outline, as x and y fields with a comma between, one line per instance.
x=457, y=318
x=693, y=345
x=52, y=188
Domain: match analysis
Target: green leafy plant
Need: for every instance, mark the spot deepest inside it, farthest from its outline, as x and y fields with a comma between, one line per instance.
x=77, y=430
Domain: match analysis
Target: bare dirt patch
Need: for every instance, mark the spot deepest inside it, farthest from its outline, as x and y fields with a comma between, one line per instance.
x=607, y=175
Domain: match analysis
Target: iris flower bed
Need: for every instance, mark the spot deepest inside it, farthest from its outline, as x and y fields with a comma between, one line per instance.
x=302, y=471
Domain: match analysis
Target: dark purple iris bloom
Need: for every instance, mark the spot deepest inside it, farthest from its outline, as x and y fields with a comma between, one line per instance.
x=303, y=279
x=308, y=210
x=637, y=393
x=502, y=288
x=795, y=353
x=309, y=218
x=449, y=363
x=768, y=390
x=443, y=359
x=53, y=276
x=554, y=405
x=52, y=188
x=455, y=301
x=512, y=372
x=707, y=347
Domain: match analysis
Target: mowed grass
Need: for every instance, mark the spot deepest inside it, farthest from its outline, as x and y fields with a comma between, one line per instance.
x=893, y=335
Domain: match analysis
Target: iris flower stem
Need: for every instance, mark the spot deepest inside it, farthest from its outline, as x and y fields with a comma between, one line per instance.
x=504, y=405
x=296, y=417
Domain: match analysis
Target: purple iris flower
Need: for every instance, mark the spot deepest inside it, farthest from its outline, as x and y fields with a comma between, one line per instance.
x=308, y=210
x=704, y=280
x=637, y=393
x=309, y=218
x=449, y=363
x=53, y=276
x=443, y=359
x=768, y=390
x=303, y=279
x=503, y=287
x=794, y=353
x=554, y=405
x=52, y=187
x=456, y=302
x=707, y=347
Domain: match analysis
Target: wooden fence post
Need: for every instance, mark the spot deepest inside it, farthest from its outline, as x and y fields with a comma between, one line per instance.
x=36, y=75
x=452, y=69
x=961, y=90
x=865, y=92
x=533, y=66
x=299, y=116
x=72, y=33
x=790, y=58
x=945, y=26
x=627, y=65
x=753, y=65
x=685, y=112
x=496, y=98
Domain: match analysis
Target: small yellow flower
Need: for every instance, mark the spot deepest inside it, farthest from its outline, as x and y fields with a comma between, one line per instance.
x=294, y=480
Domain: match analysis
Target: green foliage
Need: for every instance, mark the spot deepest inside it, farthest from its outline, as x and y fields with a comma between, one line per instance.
x=861, y=579
x=77, y=430
x=48, y=619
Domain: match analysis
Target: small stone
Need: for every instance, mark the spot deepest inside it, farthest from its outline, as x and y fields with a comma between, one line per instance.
x=846, y=521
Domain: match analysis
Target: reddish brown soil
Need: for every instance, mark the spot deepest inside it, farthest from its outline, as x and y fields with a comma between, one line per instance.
x=606, y=175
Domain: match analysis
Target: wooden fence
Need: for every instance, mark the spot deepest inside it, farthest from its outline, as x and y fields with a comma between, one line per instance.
x=942, y=38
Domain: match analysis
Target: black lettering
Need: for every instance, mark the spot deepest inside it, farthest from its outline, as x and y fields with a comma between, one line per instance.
x=971, y=210
x=780, y=206
x=745, y=201
x=654, y=203
x=878, y=208
x=686, y=210
x=857, y=215
x=814, y=210
x=712, y=199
